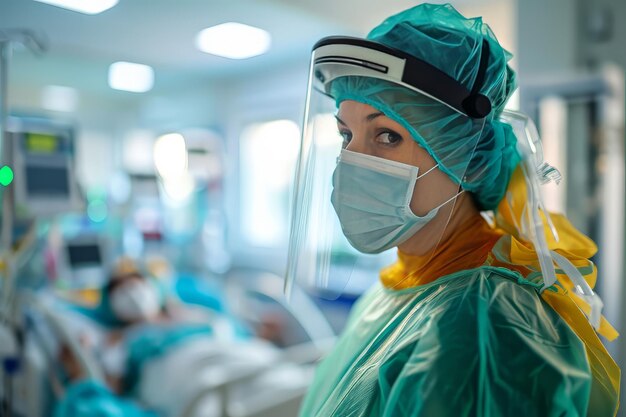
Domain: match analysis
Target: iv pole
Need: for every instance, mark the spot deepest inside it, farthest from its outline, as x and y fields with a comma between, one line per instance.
x=10, y=361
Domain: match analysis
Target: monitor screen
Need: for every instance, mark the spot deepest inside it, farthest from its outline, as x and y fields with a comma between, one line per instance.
x=42, y=143
x=84, y=254
x=47, y=181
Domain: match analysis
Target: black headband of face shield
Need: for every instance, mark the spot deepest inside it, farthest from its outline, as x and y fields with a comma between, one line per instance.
x=426, y=78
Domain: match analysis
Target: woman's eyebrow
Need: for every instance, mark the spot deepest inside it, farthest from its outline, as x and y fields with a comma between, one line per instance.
x=369, y=117
x=372, y=116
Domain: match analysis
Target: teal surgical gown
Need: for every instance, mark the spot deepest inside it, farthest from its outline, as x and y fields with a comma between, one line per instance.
x=479, y=342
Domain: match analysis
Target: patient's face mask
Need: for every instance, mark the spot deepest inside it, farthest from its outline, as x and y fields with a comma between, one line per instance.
x=135, y=301
x=372, y=197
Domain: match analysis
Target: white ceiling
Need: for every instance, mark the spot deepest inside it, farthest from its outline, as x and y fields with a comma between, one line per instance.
x=161, y=33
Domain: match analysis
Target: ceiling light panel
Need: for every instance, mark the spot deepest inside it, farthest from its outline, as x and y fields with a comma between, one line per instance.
x=233, y=40
x=128, y=76
x=82, y=6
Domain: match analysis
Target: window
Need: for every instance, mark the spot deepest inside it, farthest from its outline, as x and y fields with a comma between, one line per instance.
x=268, y=154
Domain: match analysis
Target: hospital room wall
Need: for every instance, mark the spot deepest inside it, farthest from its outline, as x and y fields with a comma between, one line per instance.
x=612, y=50
x=554, y=36
x=594, y=52
x=559, y=39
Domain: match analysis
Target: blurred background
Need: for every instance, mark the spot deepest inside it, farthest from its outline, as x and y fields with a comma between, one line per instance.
x=138, y=146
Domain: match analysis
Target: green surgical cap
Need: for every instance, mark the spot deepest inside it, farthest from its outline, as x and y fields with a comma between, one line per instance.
x=480, y=160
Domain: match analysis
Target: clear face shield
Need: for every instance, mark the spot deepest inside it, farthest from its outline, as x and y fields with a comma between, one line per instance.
x=375, y=170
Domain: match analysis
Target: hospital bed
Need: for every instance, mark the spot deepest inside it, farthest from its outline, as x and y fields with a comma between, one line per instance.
x=206, y=377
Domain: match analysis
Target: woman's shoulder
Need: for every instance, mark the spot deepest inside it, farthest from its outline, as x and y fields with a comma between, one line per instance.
x=497, y=284
x=467, y=302
x=503, y=296
x=488, y=299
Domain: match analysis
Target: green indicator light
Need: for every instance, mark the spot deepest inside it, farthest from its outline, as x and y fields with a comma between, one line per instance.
x=6, y=175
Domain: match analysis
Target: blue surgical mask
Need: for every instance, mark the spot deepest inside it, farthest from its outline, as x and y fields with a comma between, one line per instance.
x=371, y=197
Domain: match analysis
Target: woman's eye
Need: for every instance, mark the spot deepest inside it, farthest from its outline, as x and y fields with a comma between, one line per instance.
x=389, y=138
x=346, y=135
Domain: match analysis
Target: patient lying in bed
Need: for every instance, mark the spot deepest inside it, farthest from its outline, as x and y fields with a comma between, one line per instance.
x=164, y=355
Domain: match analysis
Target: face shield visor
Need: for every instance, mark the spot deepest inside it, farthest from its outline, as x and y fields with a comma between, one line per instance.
x=386, y=148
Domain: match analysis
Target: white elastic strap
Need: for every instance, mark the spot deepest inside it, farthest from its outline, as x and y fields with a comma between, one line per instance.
x=450, y=199
x=555, y=233
x=582, y=288
x=543, y=255
x=436, y=165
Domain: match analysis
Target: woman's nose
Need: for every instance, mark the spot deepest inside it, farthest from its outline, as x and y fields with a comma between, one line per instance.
x=358, y=144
